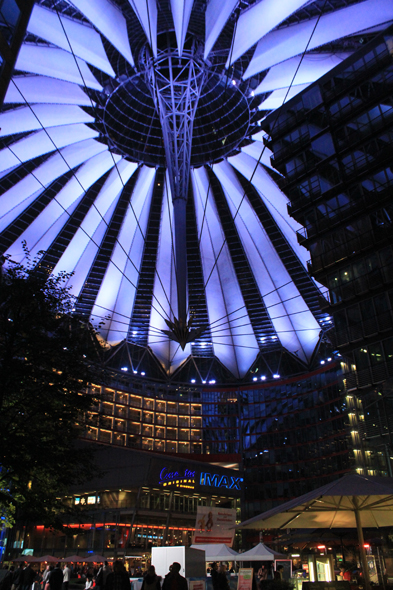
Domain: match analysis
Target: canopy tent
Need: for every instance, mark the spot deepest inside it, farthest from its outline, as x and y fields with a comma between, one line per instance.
x=74, y=559
x=354, y=501
x=217, y=552
x=96, y=559
x=27, y=558
x=47, y=559
x=260, y=553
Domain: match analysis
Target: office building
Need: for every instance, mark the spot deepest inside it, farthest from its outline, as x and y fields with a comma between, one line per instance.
x=333, y=143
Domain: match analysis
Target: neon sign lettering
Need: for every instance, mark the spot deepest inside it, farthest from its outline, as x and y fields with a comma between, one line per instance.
x=174, y=478
x=220, y=481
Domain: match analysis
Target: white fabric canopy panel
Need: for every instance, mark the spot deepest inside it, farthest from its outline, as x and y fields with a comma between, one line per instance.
x=110, y=21
x=82, y=105
x=117, y=291
x=181, y=11
x=232, y=334
x=259, y=20
x=217, y=14
x=43, y=142
x=280, y=45
x=73, y=36
x=44, y=229
x=34, y=117
x=294, y=323
x=147, y=15
x=40, y=89
x=56, y=63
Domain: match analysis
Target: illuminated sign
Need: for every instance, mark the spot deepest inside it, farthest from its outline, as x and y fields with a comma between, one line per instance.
x=186, y=479
x=220, y=481
x=176, y=479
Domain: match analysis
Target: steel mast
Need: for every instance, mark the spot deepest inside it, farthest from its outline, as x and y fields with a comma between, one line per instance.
x=176, y=83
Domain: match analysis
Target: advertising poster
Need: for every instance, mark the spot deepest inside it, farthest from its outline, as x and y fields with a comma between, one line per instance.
x=214, y=525
x=244, y=581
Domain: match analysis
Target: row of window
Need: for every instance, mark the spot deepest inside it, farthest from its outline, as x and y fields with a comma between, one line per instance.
x=170, y=420
x=338, y=206
x=9, y=18
x=361, y=276
x=122, y=398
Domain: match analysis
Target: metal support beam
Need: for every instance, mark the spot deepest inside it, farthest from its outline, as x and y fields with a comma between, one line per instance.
x=176, y=84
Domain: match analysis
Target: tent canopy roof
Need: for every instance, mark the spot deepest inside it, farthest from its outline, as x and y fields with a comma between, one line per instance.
x=217, y=552
x=260, y=553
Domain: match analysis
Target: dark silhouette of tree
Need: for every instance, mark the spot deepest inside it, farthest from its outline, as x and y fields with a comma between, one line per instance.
x=48, y=356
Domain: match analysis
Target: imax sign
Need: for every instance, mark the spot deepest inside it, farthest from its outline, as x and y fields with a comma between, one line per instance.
x=220, y=481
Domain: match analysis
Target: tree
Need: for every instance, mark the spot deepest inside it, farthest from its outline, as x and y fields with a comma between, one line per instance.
x=48, y=356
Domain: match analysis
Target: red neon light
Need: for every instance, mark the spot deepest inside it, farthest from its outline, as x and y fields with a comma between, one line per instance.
x=367, y=546
x=321, y=547
x=123, y=524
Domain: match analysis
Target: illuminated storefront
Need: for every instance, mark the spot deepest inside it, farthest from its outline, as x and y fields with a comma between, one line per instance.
x=142, y=499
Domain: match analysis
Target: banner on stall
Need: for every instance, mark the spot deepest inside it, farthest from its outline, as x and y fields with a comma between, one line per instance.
x=214, y=525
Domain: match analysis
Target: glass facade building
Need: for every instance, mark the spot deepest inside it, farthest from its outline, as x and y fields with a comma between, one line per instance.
x=333, y=143
x=14, y=16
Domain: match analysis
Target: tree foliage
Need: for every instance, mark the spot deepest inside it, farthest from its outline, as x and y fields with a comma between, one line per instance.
x=48, y=356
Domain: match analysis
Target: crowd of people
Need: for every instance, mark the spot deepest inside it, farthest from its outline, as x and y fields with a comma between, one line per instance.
x=58, y=577
x=53, y=577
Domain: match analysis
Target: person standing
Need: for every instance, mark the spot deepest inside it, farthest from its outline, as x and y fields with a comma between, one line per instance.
x=214, y=574
x=66, y=576
x=55, y=578
x=16, y=578
x=262, y=576
x=27, y=577
x=222, y=580
x=6, y=582
x=173, y=580
x=118, y=579
x=151, y=581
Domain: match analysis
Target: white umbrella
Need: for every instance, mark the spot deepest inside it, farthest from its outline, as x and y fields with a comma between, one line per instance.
x=354, y=501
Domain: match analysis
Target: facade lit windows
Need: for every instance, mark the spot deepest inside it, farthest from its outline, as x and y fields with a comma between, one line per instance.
x=14, y=16
x=333, y=143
